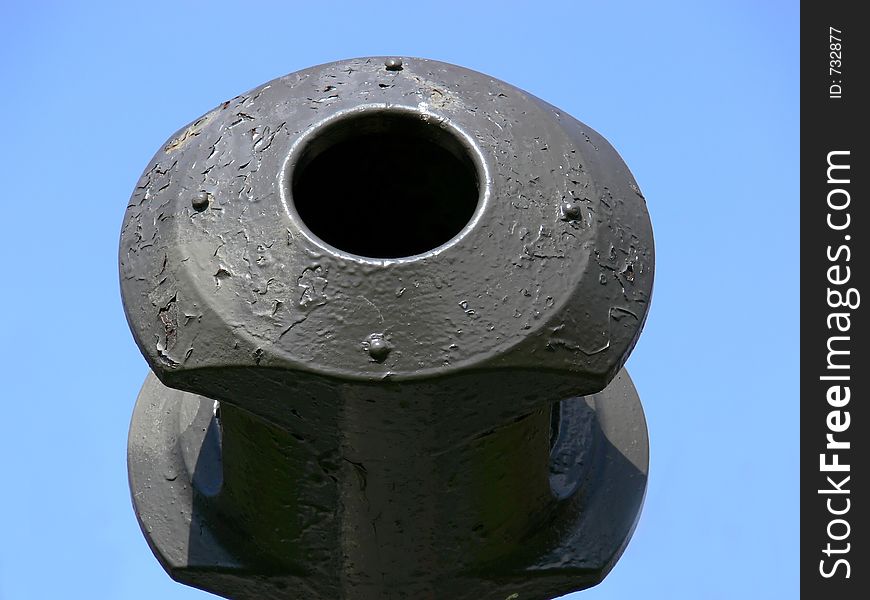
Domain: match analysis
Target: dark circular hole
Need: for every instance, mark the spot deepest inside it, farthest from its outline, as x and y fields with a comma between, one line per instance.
x=385, y=185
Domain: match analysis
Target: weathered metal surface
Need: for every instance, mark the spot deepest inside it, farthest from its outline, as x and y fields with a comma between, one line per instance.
x=387, y=274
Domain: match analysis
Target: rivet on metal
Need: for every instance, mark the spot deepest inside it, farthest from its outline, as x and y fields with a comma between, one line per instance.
x=572, y=210
x=393, y=64
x=378, y=347
x=200, y=201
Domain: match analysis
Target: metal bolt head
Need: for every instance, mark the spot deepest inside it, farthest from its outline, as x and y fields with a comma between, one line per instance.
x=378, y=347
x=572, y=210
x=393, y=64
x=200, y=201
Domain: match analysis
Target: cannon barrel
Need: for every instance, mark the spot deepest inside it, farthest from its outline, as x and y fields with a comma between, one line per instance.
x=386, y=304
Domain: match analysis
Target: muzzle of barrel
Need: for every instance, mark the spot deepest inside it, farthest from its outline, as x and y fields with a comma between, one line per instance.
x=387, y=303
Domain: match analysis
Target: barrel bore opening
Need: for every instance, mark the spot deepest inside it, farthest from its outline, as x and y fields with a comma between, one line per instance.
x=385, y=184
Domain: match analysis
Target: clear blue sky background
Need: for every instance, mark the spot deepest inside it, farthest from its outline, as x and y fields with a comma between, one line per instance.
x=701, y=99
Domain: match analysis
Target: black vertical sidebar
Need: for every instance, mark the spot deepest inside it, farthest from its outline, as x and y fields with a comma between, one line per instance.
x=834, y=370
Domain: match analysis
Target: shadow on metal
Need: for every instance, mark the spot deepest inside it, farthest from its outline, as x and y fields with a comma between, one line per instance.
x=596, y=465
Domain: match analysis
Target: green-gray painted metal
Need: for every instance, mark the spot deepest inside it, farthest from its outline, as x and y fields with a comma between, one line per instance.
x=382, y=300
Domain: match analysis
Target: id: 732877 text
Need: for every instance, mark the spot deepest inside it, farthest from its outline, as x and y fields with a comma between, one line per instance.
x=835, y=65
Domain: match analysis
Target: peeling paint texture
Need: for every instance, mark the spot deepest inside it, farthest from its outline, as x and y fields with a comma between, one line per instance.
x=548, y=291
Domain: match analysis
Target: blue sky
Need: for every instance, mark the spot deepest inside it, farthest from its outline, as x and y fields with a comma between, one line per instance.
x=701, y=100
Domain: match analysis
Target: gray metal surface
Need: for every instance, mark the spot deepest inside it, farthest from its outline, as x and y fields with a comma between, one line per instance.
x=383, y=276
x=485, y=518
